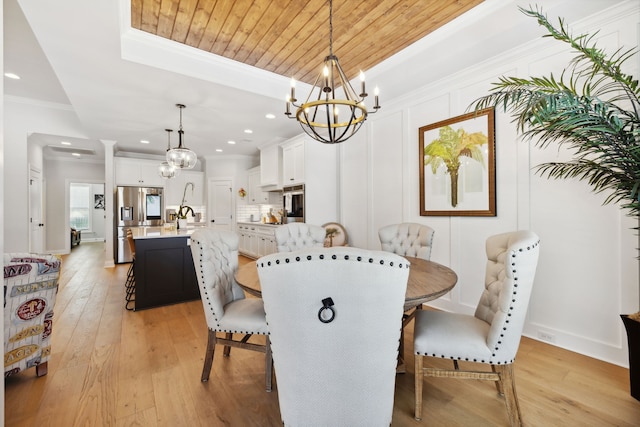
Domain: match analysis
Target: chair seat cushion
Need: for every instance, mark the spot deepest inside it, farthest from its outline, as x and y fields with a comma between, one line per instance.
x=245, y=316
x=451, y=335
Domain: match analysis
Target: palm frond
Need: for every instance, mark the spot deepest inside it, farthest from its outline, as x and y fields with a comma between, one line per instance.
x=592, y=109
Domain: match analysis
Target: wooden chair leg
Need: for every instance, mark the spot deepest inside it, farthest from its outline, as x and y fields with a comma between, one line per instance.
x=419, y=379
x=510, y=398
x=499, y=386
x=42, y=369
x=208, y=358
x=268, y=364
x=227, y=349
x=401, y=366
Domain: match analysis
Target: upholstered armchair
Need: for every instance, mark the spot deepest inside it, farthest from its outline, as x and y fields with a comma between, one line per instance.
x=227, y=311
x=298, y=235
x=30, y=289
x=492, y=335
x=334, y=318
x=407, y=239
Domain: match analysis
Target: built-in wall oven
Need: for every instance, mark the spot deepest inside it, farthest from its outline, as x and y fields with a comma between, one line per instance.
x=294, y=202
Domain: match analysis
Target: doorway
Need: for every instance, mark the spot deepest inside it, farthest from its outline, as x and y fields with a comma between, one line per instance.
x=86, y=204
x=220, y=203
x=36, y=211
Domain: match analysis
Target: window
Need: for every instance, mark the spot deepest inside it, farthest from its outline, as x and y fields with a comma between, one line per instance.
x=80, y=205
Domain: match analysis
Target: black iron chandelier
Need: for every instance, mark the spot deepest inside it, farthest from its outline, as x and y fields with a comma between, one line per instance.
x=333, y=112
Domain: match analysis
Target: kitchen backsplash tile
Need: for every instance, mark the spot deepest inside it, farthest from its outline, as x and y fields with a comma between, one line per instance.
x=244, y=211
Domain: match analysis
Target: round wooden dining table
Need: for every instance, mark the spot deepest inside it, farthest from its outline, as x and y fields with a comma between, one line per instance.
x=428, y=280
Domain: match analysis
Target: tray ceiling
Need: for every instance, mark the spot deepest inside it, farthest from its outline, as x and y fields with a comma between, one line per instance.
x=291, y=37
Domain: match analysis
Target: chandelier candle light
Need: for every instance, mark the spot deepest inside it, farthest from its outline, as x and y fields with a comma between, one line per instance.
x=181, y=157
x=165, y=170
x=320, y=115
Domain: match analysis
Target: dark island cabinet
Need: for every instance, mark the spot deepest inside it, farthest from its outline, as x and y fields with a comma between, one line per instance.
x=164, y=272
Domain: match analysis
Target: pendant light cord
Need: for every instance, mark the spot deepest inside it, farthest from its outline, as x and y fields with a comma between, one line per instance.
x=169, y=138
x=330, y=27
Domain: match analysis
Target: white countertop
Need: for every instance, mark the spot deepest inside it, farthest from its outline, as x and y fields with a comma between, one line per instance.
x=161, y=232
x=259, y=223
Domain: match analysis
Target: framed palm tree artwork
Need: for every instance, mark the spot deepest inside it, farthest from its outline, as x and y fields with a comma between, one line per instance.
x=458, y=166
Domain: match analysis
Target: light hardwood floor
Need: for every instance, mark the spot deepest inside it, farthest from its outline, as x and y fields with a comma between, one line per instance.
x=112, y=367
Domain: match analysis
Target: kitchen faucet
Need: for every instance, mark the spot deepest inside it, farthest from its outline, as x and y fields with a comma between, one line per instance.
x=184, y=194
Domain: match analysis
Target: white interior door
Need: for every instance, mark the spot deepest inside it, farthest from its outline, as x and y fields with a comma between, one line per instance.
x=220, y=203
x=36, y=222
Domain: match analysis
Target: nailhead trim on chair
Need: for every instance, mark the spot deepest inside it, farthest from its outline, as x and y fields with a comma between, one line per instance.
x=506, y=321
x=209, y=300
x=333, y=257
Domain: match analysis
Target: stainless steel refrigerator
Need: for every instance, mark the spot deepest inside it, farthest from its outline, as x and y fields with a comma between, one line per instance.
x=135, y=207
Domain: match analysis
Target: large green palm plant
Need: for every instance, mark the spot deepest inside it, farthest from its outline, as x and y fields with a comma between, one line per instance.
x=592, y=108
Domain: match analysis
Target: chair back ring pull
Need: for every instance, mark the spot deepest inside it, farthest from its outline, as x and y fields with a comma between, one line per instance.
x=327, y=304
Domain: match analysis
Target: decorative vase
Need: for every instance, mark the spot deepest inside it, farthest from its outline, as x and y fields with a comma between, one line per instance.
x=633, y=337
x=182, y=223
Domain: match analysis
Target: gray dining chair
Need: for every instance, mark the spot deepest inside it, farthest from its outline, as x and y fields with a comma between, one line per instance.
x=492, y=335
x=334, y=318
x=227, y=311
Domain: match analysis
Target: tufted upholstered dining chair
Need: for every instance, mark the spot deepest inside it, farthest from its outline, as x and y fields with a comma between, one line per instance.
x=340, y=370
x=492, y=335
x=215, y=257
x=30, y=289
x=297, y=235
x=407, y=239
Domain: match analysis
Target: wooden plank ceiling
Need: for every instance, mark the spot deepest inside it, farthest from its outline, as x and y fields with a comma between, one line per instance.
x=291, y=37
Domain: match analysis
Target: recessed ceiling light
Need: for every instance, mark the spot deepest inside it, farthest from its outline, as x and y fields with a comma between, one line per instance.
x=248, y=131
x=231, y=142
x=270, y=116
x=12, y=76
x=65, y=143
x=144, y=141
x=218, y=150
x=75, y=154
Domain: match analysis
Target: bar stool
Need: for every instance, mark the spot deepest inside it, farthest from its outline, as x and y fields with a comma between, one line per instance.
x=130, y=284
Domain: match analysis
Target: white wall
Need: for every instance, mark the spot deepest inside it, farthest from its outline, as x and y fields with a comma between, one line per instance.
x=2, y=167
x=587, y=273
x=58, y=174
x=23, y=117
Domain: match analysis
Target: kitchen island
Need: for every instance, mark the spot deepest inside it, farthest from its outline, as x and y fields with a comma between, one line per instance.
x=164, y=271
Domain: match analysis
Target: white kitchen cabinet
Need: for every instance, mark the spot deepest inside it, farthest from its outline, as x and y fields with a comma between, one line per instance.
x=256, y=240
x=309, y=162
x=266, y=240
x=271, y=167
x=138, y=172
x=174, y=189
x=293, y=162
x=255, y=193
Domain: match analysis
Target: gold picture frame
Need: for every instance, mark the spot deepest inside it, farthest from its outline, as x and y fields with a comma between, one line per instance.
x=458, y=166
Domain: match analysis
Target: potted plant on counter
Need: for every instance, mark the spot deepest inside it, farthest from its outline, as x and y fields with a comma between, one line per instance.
x=593, y=110
x=183, y=211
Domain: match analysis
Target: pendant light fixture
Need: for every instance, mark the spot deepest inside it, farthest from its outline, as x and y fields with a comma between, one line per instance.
x=327, y=115
x=181, y=157
x=165, y=170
